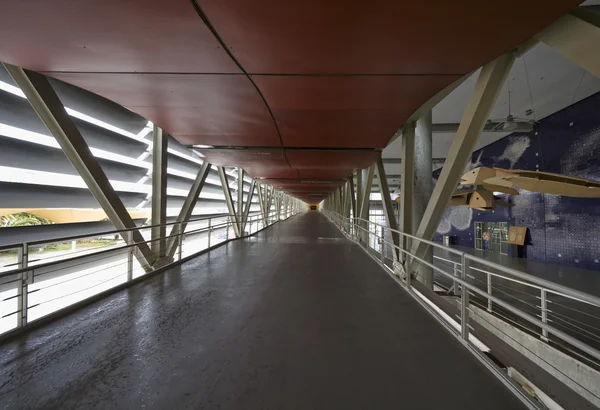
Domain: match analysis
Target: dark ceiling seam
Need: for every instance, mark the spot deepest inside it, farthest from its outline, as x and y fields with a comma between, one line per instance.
x=356, y=74
x=212, y=29
x=260, y=74
x=140, y=73
x=261, y=147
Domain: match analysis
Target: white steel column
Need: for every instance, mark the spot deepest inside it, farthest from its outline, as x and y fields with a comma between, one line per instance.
x=484, y=96
x=248, y=205
x=368, y=175
x=422, y=190
x=229, y=200
x=359, y=190
x=186, y=210
x=352, y=197
x=261, y=201
x=407, y=181
x=240, y=199
x=51, y=111
x=159, y=193
x=388, y=209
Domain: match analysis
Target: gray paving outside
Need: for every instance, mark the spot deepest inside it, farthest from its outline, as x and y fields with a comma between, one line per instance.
x=295, y=318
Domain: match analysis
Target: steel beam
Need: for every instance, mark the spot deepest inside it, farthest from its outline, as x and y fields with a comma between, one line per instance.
x=267, y=200
x=240, y=200
x=577, y=37
x=352, y=197
x=248, y=205
x=365, y=195
x=186, y=210
x=423, y=187
x=359, y=190
x=366, y=199
x=229, y=200
x=484, y=96
x=407, y=181
x=277, y=206
x=51, y=111
x=159, y=193
x=267, y=194
x=388, y=209
x=347, y=200
x=261, y=201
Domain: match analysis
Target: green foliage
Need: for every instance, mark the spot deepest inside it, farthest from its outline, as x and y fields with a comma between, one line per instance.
x=23, y=219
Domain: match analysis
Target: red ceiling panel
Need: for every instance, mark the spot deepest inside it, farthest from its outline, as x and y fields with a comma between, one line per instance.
x=305, y=184
x=259, y=163
x=336, y=159
x=257, y=171
x=376, y=36
x=232, y=157
x=157, y=58
x=340, y=93
x=109, y=36
x=325, y=172
x=347, y=111
x=195, y=109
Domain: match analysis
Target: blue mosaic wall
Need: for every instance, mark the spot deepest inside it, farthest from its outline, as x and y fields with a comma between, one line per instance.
x=561, y=229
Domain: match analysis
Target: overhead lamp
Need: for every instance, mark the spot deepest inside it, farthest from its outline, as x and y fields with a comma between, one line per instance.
x=203, y=146
x=510, y=125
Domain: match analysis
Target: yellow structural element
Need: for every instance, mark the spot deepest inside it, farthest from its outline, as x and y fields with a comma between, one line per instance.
x=313, y=207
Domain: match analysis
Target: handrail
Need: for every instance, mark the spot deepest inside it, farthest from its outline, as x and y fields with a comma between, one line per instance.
x=117, y=260
x=126, y=245
x=465, y=258
x=532, y=285
x=115, y=231
x=591, y=299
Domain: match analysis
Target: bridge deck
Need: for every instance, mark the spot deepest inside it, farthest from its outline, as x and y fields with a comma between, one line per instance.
x=295, y=318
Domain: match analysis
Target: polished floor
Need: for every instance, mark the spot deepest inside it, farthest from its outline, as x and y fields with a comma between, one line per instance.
x=295, y=318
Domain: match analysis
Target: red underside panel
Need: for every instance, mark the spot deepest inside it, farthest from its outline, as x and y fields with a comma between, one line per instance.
x=257, y=171
x=335, y=74
x=117, y=36
x=331, y=159
x=348, y=111
x=196, y=109
x=376, y=36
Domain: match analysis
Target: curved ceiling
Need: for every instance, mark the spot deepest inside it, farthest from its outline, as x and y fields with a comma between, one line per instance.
x=299, y=92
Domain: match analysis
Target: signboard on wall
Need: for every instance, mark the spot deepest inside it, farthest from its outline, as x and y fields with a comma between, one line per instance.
x=516, y=235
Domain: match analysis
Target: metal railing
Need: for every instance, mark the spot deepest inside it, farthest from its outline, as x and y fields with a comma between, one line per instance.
x=489, y=293
x=43, y=277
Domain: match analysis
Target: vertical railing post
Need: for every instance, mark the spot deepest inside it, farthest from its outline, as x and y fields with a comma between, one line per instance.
x=455, y=285
x=227, y=231
x=128, y=238
x=23, y=285
x=464, y=302
x=381, y=248
x=209, y=230
x=544, y=306
x=408, y=261
x=181, y=239
x=489, y=291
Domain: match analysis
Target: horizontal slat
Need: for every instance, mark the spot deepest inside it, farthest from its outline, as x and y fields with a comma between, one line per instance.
x=41, y=196
x=16, y=111
x=21, y=154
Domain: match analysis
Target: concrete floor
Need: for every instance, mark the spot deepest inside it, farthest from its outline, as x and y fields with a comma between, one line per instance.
x=295, y=318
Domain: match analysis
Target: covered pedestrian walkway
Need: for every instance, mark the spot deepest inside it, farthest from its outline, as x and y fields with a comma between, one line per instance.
x=296, y=317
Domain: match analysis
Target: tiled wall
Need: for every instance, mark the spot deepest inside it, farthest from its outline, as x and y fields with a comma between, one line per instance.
x=561, y=229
